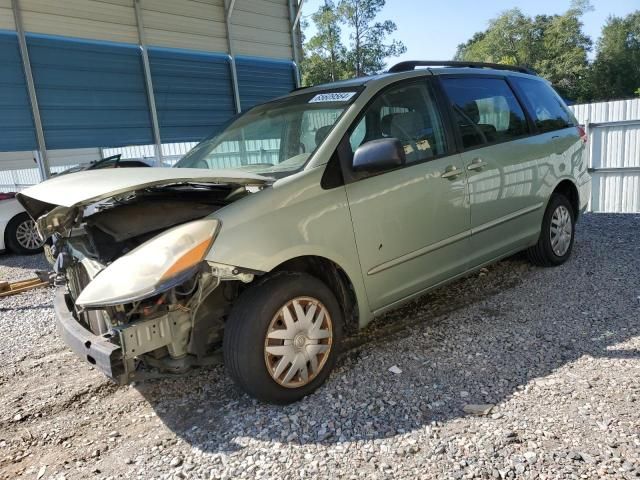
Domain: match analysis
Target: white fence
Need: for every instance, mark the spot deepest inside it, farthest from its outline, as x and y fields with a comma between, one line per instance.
x=614, y=154
x=18, y=171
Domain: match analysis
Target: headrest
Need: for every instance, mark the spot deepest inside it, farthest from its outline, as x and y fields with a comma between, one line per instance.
x=472, y=111
x=407, y=125
x=385, y=125
x=322, y=133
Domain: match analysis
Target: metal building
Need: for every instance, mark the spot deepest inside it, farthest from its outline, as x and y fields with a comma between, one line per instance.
x=79, y=76
x=614, y=154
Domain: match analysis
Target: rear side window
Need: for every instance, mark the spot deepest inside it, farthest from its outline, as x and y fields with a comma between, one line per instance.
x=407, y=112
x=485, y=109
x=545, y=106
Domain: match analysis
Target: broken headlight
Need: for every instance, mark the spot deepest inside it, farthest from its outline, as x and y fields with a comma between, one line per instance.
x=154, y=267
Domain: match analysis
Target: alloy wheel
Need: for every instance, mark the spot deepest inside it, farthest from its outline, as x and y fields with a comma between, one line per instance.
x=27, y=236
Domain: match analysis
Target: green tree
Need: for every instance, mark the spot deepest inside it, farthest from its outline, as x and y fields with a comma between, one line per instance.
x=552, y=45
x=563, y=55
x=510, y=39
x=616, y=68
x=369, y=46
x=324, y=53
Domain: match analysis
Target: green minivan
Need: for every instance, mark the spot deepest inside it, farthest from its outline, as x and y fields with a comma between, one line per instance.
x=308, y=216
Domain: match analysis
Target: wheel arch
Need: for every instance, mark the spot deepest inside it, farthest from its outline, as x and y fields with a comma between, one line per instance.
x=333, y=277
x=569, y=189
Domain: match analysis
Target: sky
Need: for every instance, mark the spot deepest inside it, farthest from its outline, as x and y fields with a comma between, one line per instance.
x=431, y=30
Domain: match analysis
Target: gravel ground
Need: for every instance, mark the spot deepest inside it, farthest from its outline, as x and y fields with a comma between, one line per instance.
x=553, y=353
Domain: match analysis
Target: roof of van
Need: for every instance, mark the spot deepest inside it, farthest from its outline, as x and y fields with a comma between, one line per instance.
x=431, y=70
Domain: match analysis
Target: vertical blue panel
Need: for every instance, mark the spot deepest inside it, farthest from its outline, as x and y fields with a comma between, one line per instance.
x=16, y=123
x=261, y=79
x=91, y=93
x=193, y=93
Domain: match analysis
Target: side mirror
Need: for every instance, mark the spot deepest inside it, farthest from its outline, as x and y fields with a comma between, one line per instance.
x=379, y=155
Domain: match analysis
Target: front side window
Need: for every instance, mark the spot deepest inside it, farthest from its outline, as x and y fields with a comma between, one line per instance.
x=485, y=109
x=275, y=138
x=407, y=112
x=545, y=106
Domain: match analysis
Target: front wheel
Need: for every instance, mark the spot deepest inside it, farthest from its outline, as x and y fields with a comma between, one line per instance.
x=282, y=337
x=557, y=234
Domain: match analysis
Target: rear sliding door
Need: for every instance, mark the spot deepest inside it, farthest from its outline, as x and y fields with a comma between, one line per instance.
x=501, y=162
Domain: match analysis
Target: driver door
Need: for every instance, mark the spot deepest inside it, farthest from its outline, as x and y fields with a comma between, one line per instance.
x=411, y=224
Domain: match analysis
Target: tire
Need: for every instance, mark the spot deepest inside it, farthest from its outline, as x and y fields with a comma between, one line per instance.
x=559, y=215
x=15, y=238
x=252, y=359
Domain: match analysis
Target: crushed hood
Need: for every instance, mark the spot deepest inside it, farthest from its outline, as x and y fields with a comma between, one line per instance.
x=90, y=186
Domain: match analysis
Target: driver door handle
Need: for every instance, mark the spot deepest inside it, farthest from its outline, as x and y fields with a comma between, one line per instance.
x=451, y=172
x=476, y=164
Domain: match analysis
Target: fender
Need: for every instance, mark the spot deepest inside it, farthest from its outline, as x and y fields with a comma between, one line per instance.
x=257, y=232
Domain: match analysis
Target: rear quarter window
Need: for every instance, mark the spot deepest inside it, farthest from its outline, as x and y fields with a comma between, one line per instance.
x=544, y=105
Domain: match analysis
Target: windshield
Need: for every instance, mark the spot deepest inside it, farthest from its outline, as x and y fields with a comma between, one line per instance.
x=275, y=138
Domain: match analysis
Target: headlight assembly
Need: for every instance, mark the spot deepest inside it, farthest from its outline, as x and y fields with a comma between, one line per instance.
x=153, y=267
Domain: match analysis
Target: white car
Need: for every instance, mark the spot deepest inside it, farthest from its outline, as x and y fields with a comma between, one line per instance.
x=18, y=232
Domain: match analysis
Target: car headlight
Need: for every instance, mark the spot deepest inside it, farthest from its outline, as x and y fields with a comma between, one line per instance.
x=153, y=267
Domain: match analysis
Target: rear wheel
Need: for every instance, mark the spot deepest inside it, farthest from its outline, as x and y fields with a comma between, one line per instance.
x=21, y=235
x=282, y=337
x=557, y=234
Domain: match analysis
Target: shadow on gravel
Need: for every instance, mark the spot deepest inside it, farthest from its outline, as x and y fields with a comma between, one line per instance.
x=476, y=341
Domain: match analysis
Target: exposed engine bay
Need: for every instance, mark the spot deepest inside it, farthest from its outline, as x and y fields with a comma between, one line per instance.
x=116, y=226
x=170, y=330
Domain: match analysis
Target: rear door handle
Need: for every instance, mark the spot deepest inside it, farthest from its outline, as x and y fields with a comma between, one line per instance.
x=476, y=164
x=451, y=172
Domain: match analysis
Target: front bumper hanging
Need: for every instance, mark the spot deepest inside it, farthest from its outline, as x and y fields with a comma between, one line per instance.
x=97, y=350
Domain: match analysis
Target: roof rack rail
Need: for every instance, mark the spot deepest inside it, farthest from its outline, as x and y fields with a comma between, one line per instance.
x=412, y=64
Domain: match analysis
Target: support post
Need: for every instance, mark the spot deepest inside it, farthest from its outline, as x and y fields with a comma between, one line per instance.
x=42, y=158
x=294, y=17
x=149, y=84
x=229, y=5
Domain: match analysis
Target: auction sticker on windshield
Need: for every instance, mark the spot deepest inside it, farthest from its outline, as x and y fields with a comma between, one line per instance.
x=332, y=97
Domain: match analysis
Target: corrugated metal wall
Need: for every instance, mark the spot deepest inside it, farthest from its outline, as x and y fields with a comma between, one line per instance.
x=91, y=93
x=16, y=122
x=21, y=172
x=261, y=28
x=89, y=77
x=6, y=16
x=251, y=74
x=91, y=19
x=192, y=25
x=193, y=93
x=614, y=145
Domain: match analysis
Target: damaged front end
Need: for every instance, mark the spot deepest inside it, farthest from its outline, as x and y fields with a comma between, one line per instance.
x=135, y=288
x=171, y=331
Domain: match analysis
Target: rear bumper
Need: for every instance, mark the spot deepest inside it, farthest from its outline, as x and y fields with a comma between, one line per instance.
x=99, y=351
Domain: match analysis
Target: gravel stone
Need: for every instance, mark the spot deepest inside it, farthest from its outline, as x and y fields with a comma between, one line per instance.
x=554, y=349
x=480, y=410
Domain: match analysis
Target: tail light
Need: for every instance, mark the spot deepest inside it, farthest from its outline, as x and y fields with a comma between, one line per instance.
x=583, y=133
